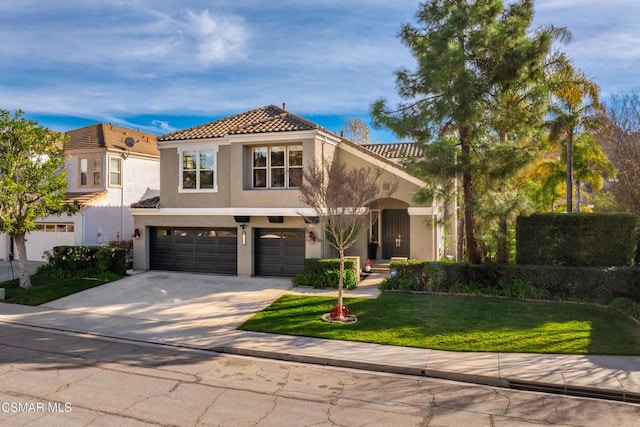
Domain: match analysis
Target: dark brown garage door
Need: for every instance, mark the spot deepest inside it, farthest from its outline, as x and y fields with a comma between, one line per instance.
x=199, y=250
x=279, y=252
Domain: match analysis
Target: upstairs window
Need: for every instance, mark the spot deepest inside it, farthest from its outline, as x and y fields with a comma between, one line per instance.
x=97, y=171
x=198, y=170
x=83, y=171
x=91, y=172
x=277, y=166
x=115, y=171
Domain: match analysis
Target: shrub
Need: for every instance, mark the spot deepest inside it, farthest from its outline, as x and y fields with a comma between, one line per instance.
x=326, y=279
x=316, y=265
x=576, y=239
x=84, y=261
x=589, y=284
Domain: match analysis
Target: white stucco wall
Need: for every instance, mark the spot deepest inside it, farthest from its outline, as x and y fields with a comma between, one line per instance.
x=110, y=218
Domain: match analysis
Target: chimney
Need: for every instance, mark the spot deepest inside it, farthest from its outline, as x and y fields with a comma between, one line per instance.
x=284, y=106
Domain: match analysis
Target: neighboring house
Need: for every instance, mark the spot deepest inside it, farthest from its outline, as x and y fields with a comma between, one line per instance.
x=229, y=204
x=108, y=168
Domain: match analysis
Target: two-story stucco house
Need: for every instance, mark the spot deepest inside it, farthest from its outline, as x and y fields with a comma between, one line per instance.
x=108, y=168
x=229, y=204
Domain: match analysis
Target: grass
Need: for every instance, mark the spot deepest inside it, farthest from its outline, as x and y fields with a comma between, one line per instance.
x=46, y=289
x=458, y=323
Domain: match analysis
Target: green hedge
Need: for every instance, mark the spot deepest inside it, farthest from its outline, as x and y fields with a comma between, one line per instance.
x=576, y=239
x=589, y=284
x=318, y=265
x=324, y=273
x=88, y=260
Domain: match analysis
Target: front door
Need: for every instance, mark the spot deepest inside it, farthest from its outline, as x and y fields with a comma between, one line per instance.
x=395, y=233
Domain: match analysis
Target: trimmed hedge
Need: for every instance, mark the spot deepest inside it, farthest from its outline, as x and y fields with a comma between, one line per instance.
x=577, y=239
x=324, y=273
x=588, y=284
x=318, y=265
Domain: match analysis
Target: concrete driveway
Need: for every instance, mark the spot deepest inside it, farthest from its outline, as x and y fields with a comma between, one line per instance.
x=159, y=306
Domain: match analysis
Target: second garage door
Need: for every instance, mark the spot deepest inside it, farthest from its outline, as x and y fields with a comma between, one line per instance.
x=199, y=250
x=279, y=252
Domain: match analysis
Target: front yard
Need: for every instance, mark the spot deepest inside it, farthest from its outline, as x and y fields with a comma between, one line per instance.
x=458, y=323
x=47, y=289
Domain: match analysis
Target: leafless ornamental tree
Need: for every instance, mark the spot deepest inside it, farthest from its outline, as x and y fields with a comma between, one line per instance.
x=621, y=142
x=340, y=196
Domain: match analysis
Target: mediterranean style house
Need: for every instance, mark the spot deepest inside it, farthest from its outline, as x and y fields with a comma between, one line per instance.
x=229, y=204
x=108, y=168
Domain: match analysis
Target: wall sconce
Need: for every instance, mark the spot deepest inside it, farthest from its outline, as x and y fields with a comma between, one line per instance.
x=136, y=234
x=244, y=234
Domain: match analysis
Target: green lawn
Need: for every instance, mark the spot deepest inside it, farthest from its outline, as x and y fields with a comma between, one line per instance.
x=458, y=323
x=46, y=289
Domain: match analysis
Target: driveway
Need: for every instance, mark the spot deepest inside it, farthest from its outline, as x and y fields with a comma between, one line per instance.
x=159, y=306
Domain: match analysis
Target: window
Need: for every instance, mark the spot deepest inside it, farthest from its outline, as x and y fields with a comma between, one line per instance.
x=115, y=171
x=91, y=172
x=277, y=167
x=83, y=171
x=97, y=171
x=198, y=170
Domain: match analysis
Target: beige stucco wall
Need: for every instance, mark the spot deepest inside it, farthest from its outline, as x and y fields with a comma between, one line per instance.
x=234, y=191
x=405, y=190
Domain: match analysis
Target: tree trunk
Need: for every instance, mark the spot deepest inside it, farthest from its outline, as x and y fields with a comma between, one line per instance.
x=502, y=254
x=570, y=171
x=577, y=195
x=21, y=246
x=340, y=285
x=473, y=249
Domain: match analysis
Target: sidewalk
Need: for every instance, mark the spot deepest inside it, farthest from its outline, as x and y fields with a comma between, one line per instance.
x=611, y=377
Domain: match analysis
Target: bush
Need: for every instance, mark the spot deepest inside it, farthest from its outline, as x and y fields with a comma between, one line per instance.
x=576, y=239
x=326, y=279
x=324, y=273
x=589, y=284
x=316, y=265
x=85, y=261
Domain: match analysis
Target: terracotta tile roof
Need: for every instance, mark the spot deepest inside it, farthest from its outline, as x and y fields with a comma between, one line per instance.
x=103, y=135
x=396, y=151
x=151, y=203
x=261, y=120
x=84, y=198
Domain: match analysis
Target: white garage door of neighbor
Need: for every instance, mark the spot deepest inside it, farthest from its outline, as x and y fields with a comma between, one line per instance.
x=46, y=236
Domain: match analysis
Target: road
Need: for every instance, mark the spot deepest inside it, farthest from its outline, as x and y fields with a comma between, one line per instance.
x=50, y=378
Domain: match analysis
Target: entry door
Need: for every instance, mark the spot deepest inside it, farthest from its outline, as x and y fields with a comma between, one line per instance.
x=395, y=232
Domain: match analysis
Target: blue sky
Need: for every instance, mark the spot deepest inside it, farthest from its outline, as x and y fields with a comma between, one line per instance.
x=163, y=65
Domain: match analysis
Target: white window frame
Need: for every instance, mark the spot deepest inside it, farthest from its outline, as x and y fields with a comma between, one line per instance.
x=119, y=172
x=269, y=168
x=213, y=148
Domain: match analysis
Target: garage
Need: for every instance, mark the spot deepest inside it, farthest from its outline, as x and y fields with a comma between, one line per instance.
x=46, y=236
x=279, y=252
x=197, y=250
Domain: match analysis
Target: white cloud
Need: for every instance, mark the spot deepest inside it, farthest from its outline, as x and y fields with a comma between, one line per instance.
x=219, y=38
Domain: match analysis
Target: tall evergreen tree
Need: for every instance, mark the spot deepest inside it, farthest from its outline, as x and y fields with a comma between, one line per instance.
x=466, y=52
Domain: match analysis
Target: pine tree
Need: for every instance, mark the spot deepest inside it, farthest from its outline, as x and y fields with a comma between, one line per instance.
x=467, y=53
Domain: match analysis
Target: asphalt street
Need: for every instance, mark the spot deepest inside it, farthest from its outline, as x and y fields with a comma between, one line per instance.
x=53, y=378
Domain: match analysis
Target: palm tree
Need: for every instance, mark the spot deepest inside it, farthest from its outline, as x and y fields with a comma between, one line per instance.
x=576, y=107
